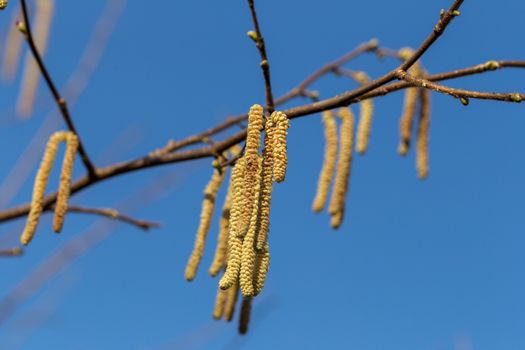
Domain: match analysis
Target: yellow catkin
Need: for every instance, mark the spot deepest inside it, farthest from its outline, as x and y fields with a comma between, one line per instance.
x=262, y=265
x=330, y=159
x=248, y=246
x=3, y=4
x=42, y=176
x=267, y=184
x=12, y=49
x=366, y=114
x=409, y=105
x=423, y=135
x=234, y=240
x=280, y=153
x=251, y=155
x=29, y=85
x=220, y=301
x=244, y=319
x=208, y=205
x=342, y=176
x=219, y=259
x=64, y=188
x=231, y=300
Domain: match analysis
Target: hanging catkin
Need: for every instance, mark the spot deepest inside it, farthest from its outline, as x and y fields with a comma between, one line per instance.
x=29, y=85
x=220, y=301
x=366, y=114
x=248, y=246
x=267, y=183
x=219, y=259
x=251, y=156
x=208, y=205
x=3, y=4
x=244, y=319
x=64, y=188
x=279, y=149
x=234, y=238
x=409, y=105
x=340, y=190
x=329, y=161
x=422, y=138
x=231, y=300
x=37, y=202
x=12, y=49
x=262, y=264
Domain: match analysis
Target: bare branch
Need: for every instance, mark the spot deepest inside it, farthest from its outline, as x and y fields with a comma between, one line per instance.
x=114, y=215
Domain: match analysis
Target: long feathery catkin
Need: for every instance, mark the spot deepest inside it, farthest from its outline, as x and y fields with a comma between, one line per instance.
x=12, y=49
x=208, y=205
x=234, y=239
x=267, y=184
x=220, y=301
x=340, y=190
x=366, y=114
x=409, y=105
x=244, y=319
x=29, y=85
x=219, y=259
x=279, y=149
x=231, y=300
x=262, y=265
x=251, y=156
x=423, y=135
x=64, y=188
x=248, y=245
x=330, y=159
x=42, y=176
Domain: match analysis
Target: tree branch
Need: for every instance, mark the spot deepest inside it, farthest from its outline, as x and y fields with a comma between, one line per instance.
x=61, y=103
x=114, y=215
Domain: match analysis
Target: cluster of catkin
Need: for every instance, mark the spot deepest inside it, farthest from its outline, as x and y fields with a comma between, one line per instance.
x=37, y=202
x=341, y=165
x=242, y=250
x=413, y=97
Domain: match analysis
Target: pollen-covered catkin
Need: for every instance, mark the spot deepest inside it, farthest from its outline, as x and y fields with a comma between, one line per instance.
x=267, y=184
x=220, y=301
x=208, y=205
x=231, y=300
x=409, y=105
x=37, y=202
x=3, y=4
x=248, y=245
x=280, y=149
x=41, y=28
x=329, y=161
x=64, y=188
x=423, y=135
x=234, y=238
x=251, y=156
x=262, y=265
x=219, y=259
x=366, y=114
x=342, y=176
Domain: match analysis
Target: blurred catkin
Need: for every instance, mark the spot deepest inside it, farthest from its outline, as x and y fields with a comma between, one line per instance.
x=41, y=28
x=208, y=205
x=329, y=161
x=422, y=138
x=366, y=114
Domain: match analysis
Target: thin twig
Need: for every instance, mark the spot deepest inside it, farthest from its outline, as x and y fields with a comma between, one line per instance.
x=61, y=103
x=459, y=93
x=114, y=215
x=265, y=63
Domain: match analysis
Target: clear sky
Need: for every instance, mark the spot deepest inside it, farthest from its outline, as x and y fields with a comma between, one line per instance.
x=433, y=265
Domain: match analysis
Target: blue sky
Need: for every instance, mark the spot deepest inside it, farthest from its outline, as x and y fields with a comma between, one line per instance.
x=430, y=265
